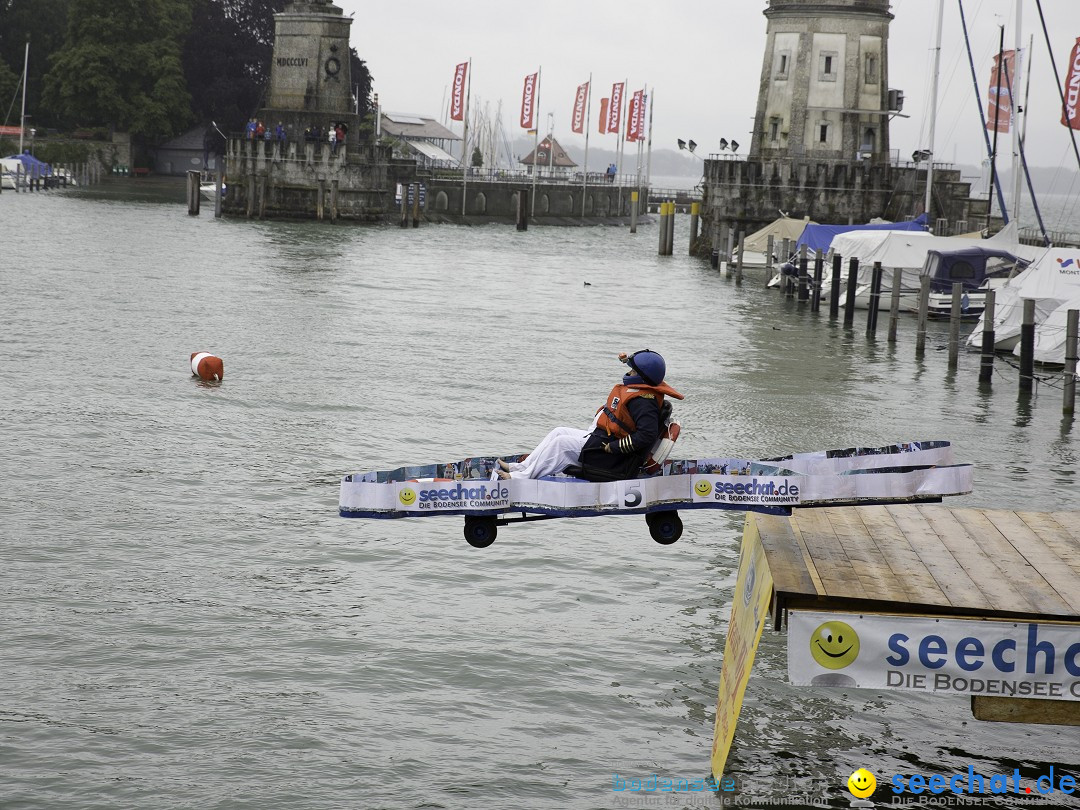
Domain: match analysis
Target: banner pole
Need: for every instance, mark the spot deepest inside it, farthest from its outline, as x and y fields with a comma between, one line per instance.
x=588, y=125
x=465, y=140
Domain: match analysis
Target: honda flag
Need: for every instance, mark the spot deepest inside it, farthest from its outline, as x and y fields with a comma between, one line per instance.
x=635, y=116
x=604, y=104
x=528, y=103
x=577, y=119
x=457, y=95
x=1070, y=114
x=999, y=104
x=615, y=107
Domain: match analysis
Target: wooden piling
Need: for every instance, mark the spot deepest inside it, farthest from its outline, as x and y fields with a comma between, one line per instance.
x=730, y=248
x=1072, y=317
x=218, y=183
x=633, y=211
x=1027, y=347
x=250, y=207
x=193, y=195
x=404, y=222
x=416, y=206
x=986, y=361
x=819, y=270
x=804, y=278
x=522, y=220
x=662, y=235
x=894, y=304
x=834, y=288
x=671, y=229
x=875, y=301
x=769, y=259
x=955, y=311
x=695, y=224
x=321, y=199
x=924, y=311
x=262, y=197
x=739, y=261
x=333, y=200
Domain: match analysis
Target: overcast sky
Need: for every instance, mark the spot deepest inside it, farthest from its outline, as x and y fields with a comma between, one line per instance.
x=703, y=60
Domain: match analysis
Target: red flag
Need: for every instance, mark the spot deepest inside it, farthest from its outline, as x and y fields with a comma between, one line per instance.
x=999, y=103
x=457, y=95
x=604, y=102
x=528, y=103
x=1070, y=115
x=577, y=118
x=634, y=116
x=615, y=107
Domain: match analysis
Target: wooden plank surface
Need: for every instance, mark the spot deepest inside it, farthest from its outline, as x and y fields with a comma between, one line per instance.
x=921, y=557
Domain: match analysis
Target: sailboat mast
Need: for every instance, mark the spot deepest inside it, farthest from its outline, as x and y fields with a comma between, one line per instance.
x=933, y=118
x=993, y=150
x=22, y=118
x=1014, y=107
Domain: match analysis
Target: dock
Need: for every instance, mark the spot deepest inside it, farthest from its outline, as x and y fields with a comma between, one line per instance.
x=978, y=603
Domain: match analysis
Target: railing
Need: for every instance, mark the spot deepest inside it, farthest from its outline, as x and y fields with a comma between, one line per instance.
x=518, y=177
x=1034, y=236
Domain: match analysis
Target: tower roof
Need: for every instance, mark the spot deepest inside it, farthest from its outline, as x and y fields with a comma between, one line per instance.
x=542, y=155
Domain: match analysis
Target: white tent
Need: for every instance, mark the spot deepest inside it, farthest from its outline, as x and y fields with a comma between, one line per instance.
x=1051, y=280
x=780, y=229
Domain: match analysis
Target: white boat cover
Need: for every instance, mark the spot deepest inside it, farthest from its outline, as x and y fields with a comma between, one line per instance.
x=780, y=229
x=1052, y=279
x=1050, y=334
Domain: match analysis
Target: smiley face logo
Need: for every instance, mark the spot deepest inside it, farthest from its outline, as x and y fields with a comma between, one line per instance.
x=407, y=497
x=703, y=488
x=834, y=645
x=861, y=783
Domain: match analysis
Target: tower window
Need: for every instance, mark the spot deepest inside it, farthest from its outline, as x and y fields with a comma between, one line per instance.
x=870, y=69
x=782, y=62
x=828, y=64
x=868, y=138
x=774, y=129
x=823, y=133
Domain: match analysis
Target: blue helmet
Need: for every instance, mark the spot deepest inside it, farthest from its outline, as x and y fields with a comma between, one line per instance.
x=646, y=367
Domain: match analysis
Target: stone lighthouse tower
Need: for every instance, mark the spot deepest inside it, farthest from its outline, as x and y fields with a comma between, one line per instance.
x=824, y=82
x=310, y=73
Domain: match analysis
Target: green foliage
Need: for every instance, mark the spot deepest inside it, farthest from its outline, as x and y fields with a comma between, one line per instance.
x=62, y=152
x=121, y=65
x=42, y=23
x=9, y=100
x=477, y=157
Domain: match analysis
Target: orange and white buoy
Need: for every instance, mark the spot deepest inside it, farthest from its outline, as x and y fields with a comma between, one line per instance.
x=207, y=366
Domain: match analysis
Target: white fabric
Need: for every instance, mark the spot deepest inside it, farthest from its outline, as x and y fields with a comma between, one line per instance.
x=1050, y=334
x=556, y=451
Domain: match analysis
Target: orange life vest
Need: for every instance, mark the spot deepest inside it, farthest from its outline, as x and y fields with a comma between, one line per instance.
x=615, y=416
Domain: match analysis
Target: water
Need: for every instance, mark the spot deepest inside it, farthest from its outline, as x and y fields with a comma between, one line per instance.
x=187, y=622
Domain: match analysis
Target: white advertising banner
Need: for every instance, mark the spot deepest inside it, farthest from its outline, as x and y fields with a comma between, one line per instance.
x=935, y=654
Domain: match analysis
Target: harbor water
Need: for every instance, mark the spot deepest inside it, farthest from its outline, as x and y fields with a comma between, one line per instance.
x=187, y=623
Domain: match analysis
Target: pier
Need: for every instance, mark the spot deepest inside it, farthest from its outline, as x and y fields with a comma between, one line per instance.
x=989, y=590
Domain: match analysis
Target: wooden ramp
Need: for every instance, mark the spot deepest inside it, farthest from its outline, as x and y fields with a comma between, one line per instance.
x=925, y=559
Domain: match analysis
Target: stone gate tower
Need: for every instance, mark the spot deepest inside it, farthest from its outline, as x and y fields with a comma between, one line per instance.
x=824, y=81
x=310, y=73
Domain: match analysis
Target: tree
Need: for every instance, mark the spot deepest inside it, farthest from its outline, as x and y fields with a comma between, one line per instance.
x=42, y=22
x=477, y=157
x=121, y=65
x=9, y=102
x=361, y=79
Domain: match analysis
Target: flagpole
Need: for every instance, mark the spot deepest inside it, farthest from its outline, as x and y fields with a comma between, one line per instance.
x=536, y=133
x=933, y=120
x=1016, y=119
x=22, y=117
x=619, y=143
x=640, y=139
x=648, y=160
x=588, y=126
x=465, y=140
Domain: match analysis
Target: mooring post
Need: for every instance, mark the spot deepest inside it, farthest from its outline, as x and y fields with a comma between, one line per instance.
x=894, y=304
x=320, y=199
x=416, y=207
x=769, y=258
x=986, y=362
x=671, y=229
x=834, y=287
x=405, y=205
x=722, y=258
x=875, y=301
x=333, y=200
x=1072, y=317
x=819, y=271
x=804, y=277
x=218, y=183
x=924, y=311
x=662, y=244
x=522, y=220
x=730, y=249
x=633, y=211
x=695, y=224
x=1027, y=347
x=739, y=261
x=955, y=311
x=193, y=193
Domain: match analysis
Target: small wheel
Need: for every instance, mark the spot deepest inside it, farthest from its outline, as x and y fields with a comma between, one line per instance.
x=480, y=532
x=665, y=527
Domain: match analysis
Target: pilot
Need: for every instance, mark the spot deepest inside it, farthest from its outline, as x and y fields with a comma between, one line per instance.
x=621, y=435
